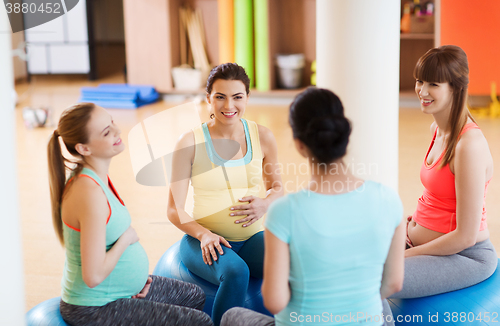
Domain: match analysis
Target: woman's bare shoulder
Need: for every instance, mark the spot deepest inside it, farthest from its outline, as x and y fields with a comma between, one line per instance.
x=83, y=197
x=473, y=151
x=265, y=134
x=472, y=142
x=186, y=139
x=185, y=148
x=267, y=140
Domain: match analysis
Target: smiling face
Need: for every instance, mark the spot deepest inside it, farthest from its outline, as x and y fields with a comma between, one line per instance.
x=228, y=100
x=434, y=97
x=104, y=136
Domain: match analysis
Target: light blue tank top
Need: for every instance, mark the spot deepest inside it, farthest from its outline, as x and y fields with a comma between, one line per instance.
x=130, y=273
x=338, y=247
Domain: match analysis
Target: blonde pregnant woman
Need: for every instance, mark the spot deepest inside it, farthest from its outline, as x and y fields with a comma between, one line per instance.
x=105, y=280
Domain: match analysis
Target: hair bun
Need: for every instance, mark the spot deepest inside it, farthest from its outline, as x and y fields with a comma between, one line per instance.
x=317, y=119
x=326, y=131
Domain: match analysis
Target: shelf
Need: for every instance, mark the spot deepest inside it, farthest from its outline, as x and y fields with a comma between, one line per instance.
x=253, y=92
x=415, y=36
x=292, y=29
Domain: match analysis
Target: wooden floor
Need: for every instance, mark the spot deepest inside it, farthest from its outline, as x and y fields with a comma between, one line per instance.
x=43, y=255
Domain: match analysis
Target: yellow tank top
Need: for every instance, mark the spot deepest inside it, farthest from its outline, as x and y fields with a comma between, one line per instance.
x=218, y=184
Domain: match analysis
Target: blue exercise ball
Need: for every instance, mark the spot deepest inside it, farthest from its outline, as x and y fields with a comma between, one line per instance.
x=46, y=314
x=475, y=305
x=170, y=265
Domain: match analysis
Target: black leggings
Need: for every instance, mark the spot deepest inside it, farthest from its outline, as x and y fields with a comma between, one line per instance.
x=168, y=302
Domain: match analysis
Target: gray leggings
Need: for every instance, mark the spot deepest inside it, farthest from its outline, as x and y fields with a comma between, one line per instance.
x=430, y=275
x=244, y=317
x=168, y=302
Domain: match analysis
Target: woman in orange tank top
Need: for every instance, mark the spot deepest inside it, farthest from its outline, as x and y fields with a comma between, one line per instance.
x=448, y=246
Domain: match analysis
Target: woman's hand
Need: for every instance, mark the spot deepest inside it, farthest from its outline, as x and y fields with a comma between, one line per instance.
x=144, y=291
x=209, y=242
x=254, y=210
x=130, y=236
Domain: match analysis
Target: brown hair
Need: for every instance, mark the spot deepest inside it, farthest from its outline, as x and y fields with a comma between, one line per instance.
x=228, y=71
x=72, y=128
x=448, y=64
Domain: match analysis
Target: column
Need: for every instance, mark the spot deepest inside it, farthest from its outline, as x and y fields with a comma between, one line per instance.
x=357, y=46
x=12, y=307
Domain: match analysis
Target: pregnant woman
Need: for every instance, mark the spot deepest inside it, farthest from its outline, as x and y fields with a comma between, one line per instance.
x=224, y=242
x=105, y=280
x=448, y=238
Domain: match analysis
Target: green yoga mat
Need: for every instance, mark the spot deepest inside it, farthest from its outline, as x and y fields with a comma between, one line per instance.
x=243, y=36
x=262, y=74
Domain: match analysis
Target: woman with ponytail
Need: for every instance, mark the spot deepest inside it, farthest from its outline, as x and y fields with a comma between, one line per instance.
x=333, y=251
x=448, y=246
x=105, y=279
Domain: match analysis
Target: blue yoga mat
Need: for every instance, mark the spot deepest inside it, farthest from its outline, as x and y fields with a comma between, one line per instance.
x=119, y=95
x=145, y=91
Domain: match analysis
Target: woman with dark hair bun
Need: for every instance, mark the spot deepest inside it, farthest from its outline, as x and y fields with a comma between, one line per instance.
x=333, y=250
x=448, y=246
x=228, y=210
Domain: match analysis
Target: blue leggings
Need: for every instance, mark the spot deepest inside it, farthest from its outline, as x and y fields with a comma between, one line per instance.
x=231, y=271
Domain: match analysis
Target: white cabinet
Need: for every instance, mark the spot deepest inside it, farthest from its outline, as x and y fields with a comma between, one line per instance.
x=60, y=46
x=66, y=58
x=37, y=59
x=76, y=20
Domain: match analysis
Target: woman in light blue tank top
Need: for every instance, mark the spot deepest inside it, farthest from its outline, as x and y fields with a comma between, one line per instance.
x=105, y=279
x=335, y=250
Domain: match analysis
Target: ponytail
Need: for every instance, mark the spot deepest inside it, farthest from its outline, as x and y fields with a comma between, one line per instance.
x=72, y=129
x=57, y=177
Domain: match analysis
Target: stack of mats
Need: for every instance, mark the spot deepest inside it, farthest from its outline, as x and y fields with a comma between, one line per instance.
x=119, y=96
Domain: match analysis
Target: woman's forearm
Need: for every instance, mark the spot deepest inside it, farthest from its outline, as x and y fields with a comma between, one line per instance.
x=275, y=299
x=447, y=244
x=102, y=270
x=188, y=225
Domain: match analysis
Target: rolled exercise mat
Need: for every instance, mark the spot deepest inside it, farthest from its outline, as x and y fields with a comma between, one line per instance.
x=147, y=93
x=121, y=96
x=262, y=73
x=226, y=30
x=243, y=36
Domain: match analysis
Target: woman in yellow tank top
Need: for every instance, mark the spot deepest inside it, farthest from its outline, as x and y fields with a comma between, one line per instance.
x=225, y=160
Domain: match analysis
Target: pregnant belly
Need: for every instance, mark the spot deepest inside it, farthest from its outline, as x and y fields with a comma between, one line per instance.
x=222, y=223
x=420, y=235
x=131, y=271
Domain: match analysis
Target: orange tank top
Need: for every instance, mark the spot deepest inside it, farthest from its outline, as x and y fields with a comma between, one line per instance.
x=437, y=208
